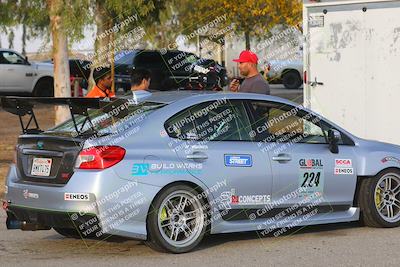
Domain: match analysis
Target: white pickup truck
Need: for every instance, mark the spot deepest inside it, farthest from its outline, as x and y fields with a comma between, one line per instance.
x=18, y=76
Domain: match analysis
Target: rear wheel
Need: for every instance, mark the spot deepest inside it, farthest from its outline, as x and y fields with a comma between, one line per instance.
x=292, y=80
x=379, y=199
x=177, y=222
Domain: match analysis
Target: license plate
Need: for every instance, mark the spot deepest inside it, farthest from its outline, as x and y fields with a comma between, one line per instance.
x=41, y=166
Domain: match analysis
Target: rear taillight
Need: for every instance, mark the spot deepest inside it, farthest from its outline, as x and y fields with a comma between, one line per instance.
x=305, y=77
x=99, y=157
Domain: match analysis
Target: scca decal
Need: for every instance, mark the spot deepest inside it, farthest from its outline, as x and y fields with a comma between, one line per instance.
x=238, y=160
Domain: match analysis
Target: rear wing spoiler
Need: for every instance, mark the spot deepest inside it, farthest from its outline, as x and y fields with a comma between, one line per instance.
x=23, y=106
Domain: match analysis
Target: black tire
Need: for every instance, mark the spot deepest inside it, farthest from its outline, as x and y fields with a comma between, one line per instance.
x=292, y=80
x=67, y=232
x=155, y=238
x=367, y=199
x=44, y=87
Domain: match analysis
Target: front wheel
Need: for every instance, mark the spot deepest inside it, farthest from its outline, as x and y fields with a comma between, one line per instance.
x=379, y=199
x=177, y=221
x=44, y=87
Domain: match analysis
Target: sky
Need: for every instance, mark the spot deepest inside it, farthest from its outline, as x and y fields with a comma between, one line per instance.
x=35, y=45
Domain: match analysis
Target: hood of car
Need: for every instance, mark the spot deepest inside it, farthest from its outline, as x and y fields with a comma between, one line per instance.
x=43, y=66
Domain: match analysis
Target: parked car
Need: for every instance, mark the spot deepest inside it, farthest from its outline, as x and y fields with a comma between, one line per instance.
x=287, y=72
x=18, y=76
x=181, y=165
x=170, y=70
x=79, y=70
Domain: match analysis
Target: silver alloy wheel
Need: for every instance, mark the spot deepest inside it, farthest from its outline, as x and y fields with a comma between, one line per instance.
x=387, y=197
x=180, y=218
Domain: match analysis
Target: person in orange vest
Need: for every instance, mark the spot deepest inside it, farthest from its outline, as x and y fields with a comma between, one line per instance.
x=103, y=79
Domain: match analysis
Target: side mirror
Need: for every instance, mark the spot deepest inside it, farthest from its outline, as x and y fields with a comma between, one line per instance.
x=333, y=139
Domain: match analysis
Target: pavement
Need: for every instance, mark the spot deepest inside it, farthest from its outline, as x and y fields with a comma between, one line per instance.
x=345, y=244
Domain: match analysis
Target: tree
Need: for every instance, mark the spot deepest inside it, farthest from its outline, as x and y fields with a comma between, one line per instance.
x=109, y=16
x=251, y=18
x=63, y=20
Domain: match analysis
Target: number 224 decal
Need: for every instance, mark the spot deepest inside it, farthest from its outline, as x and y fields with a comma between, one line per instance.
x=311, y=181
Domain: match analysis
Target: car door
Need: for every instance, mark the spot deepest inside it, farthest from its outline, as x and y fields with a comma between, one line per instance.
x=302, y=164
x=212, y=139
x=18, y=73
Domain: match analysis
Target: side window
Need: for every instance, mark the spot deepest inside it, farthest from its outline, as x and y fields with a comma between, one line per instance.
x=148, y=60
x=220, y=120
x=11, y=58
x=283, y=123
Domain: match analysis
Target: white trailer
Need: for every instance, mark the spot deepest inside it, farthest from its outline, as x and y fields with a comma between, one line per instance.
x=352, y=65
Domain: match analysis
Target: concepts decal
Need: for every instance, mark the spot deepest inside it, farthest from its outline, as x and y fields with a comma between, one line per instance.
x=251, y=200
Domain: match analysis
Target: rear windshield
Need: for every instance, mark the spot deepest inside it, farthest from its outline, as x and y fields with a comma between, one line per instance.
x=103, y=122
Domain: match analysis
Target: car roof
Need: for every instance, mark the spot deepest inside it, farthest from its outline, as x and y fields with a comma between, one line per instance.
x=8, y=50
x=168, y=97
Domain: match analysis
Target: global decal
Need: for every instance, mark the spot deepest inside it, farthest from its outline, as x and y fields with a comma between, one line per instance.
x=311, y=163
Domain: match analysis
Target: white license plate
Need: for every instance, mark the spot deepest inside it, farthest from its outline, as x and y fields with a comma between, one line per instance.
x=41, y=166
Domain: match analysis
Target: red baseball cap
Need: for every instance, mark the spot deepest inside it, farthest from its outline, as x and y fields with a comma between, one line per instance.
x=247, y=56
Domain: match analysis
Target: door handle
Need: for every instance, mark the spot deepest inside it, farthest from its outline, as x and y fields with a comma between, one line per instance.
x=197, y=156
x=315, y=83
x=10, y=69
x=282, y=157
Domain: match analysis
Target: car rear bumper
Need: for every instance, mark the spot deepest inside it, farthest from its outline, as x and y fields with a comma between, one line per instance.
x=117, y=206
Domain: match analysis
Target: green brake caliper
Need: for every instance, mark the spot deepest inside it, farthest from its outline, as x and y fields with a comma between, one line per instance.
x=163, y=214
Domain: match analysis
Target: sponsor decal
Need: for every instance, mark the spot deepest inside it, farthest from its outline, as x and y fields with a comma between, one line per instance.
x=28, y=194
x=311, y=164
x=392, y=159
x=311, y=176
x=339, y=171
x=238, y=160
x=76, y=197
x=345, y=163
x=144, y=169
x=250, y=199
x=343, y=167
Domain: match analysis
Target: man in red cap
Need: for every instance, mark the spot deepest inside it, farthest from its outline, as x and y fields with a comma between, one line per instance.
x=254, y=82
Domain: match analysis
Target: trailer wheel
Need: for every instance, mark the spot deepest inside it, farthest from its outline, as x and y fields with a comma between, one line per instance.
x=292, y=80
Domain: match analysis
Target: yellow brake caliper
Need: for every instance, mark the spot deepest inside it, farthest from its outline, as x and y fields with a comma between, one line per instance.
x=378, y=198
x=163, y=214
